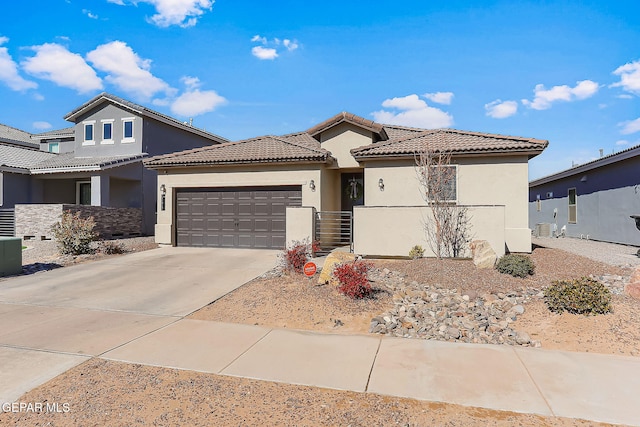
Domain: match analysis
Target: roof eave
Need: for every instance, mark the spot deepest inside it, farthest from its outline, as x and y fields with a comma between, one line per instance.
x=468, y=153
x=628, y=154
x=92, y=168
x=156, y=166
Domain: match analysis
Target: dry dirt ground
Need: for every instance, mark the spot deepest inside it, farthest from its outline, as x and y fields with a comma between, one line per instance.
x=117, y=394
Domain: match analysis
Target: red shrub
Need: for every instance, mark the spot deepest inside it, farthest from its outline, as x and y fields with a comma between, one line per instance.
x=298, y=254
x=296, y=257
x=353, y=279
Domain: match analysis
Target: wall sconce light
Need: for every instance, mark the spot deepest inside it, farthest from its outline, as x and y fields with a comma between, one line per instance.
x=312, y=185
x=381, y=184
x=163, y=197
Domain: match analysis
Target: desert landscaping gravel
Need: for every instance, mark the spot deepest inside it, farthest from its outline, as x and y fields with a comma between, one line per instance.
x=110, y=393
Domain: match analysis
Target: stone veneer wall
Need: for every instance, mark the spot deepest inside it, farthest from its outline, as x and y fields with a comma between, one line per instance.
x=36, y=220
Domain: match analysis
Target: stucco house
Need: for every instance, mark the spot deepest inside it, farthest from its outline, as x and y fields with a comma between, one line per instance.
x=592, y=201
x=265, y=192
x=96, y=163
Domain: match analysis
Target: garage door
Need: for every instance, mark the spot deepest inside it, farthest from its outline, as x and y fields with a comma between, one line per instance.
x=236, y=217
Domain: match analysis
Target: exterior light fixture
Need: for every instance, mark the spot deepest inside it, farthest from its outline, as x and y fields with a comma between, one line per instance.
x=312, y=185
x=381, y=184
x=163, y=198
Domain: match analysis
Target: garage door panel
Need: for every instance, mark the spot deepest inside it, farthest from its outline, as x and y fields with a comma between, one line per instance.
x=278, y=225
x=278, y=208
x=245, y=225
x=234, y=217
x=261, y=225
x=245, y=208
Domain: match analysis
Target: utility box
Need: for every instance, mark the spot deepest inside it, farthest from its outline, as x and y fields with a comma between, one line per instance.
x=10, y=256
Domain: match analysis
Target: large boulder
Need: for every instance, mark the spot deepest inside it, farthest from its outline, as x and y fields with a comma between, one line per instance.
x=483, y=254
x=332, y=260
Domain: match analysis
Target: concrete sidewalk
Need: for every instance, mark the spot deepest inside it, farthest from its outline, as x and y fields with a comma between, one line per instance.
x=554, y=383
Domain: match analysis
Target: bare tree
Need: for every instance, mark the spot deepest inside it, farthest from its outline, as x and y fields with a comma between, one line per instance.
x=447, y=231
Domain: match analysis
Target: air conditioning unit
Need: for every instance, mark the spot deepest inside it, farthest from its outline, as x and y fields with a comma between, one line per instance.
x=543, y=229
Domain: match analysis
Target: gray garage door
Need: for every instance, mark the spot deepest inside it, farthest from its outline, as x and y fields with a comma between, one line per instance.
x=236, y=217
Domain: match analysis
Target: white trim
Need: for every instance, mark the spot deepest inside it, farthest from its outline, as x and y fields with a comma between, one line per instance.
x=126, y=140
x=78, y=183
x=574, y=205
x=109, y=122
x=92, y=141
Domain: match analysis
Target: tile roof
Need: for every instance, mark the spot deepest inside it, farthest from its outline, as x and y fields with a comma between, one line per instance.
x=370, y=125
x=14, y=156
x=68, y=163
x=455, y=141
x=10, y=134
x=298, y=147
x=398, y=141
x=69, y=132
x=141, y=110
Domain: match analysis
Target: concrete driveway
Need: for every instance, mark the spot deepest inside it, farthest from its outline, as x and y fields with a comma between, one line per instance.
x=54, y=320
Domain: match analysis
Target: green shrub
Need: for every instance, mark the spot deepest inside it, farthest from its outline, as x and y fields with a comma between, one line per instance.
x=416, y=252
x=578, y=296
x=74, y=234
x=515, y=265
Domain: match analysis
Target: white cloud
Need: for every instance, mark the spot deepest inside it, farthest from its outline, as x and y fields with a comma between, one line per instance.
x=412, y=111
x=259, y=39
x=89, y=14
x=55, y=63
x=631, y=126
x=624, y=96
x=184, y=13
x=499, y=109
x=440, y=97
x=196, y=102
x=622, y=142
x=269, y=49
x=290, y=45
x=629, y=77
x=9, y=70
x=544, y=98
x=41, y=125
x=127, y=71
x=264, y=52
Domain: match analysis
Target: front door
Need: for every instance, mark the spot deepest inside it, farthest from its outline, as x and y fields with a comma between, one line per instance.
x=352, y=190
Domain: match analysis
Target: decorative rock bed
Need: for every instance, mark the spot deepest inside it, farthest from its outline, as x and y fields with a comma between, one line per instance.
x=433, y=312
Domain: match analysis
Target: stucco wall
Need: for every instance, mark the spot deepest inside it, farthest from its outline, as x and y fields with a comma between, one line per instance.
x=605, y=198
x=118, y=147
x=14, y=188
x=393, y=231
x=341, y=139
x=234, y=177
x=481, y=181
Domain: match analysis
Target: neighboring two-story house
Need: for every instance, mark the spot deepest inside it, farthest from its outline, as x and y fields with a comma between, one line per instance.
x=98, y=161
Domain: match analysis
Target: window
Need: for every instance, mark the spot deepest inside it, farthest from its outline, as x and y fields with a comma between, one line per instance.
x=538, y=203
x=88, y=133
x=54, y=147
x=83, y=193
x=550, y=195
x=442, y=182
x=127, y=130
x=573, y=211
x=107, y=132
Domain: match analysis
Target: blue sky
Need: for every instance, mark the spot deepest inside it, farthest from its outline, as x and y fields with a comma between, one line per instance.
x=566, y=71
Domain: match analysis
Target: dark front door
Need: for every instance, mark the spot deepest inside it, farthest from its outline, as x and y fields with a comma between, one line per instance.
x=352, y=190
x=242, y=217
